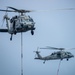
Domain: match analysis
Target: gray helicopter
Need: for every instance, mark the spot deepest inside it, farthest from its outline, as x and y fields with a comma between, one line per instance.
x=55, y=55
x=19, y=23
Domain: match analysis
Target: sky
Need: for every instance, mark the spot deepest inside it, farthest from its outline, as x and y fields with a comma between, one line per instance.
x=54, y=28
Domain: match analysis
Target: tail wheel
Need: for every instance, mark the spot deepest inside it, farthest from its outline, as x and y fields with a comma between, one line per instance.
x=44, y=61
x=67, y=59
x=32, y=32
x=11, y=37
x=15, y=32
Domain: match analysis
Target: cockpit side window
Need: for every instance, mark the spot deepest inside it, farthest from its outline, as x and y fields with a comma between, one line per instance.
x=68, y=52
x=31, y=19
x=22, y=19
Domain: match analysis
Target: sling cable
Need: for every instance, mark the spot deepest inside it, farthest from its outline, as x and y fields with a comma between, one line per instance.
x=21, y=54
x=58, y=67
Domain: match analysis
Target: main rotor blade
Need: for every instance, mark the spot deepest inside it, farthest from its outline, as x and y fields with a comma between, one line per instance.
x=7, y=10
x=25, y=11
x=20, y=10
x=52, y=47
x=48, y=47
x=66, y=9
x=54, y=10
x=44, y=48
x=13, y=8
x=70, y=49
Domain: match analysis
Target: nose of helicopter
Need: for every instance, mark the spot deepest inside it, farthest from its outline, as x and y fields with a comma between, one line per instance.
x=30, y=23
x=72, y=55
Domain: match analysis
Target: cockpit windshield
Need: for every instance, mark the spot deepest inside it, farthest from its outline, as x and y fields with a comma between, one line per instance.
x=23, y=19
x=68, y=53
x=30, y=19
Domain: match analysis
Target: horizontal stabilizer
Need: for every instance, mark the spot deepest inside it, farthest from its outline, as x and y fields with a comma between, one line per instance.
x=3, y=30
x=36, y=58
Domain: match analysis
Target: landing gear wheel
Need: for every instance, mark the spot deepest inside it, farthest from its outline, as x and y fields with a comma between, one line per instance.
x=67, y=59
x=44, y=62
x=32, y=32
x=11, y=38
x=15, y=32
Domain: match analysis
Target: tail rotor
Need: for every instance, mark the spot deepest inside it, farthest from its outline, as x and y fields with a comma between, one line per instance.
x=2, y=22
x=37, y=52
x=4, y=17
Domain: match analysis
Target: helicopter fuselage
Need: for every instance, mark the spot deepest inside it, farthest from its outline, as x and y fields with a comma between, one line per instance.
x=21, y=24
x=18, y=24
x=55, y=56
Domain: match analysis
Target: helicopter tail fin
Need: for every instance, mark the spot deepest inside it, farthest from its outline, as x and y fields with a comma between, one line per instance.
x=7, y=20
x=38, y=55
x=3, y=30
